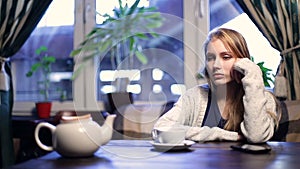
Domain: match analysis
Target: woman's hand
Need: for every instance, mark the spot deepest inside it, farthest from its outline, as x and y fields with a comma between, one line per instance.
x=241, y=137
x=237, y=75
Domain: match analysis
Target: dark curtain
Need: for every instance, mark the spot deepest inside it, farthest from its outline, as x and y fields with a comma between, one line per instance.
x=18, y=18
x=278, y=20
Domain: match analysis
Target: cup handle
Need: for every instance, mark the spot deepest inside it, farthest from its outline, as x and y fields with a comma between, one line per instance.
x=154, y=134
x=36, y=135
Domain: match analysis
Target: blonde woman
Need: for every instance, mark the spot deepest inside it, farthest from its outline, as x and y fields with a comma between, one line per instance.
x=234, y=105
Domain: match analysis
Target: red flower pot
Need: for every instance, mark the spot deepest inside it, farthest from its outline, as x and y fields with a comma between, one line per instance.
x=43, y=109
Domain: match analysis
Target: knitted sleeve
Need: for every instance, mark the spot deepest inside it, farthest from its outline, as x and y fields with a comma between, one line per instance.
x=188, y=112
x=258, y=125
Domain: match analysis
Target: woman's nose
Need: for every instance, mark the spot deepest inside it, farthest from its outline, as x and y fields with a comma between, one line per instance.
x=217, y=63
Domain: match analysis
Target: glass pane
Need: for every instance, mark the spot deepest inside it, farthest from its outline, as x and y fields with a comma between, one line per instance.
x=55, y=31
x=229, y=14
x=165, y=68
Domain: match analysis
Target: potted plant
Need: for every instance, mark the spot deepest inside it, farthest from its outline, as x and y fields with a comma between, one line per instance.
x=43, y=107
x=266, y=73
x=119, y=37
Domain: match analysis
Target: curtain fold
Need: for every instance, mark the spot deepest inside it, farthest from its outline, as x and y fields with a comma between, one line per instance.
x=278, y=20
x=18, y=18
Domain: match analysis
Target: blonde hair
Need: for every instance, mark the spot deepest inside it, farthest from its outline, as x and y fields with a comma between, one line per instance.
x=234, y=42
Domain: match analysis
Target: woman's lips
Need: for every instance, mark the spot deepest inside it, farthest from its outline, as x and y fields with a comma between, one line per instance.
x=218, y=75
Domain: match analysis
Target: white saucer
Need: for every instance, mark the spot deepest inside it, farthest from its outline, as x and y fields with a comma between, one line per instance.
x=166, y=147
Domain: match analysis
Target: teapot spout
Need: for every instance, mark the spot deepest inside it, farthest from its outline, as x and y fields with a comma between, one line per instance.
x=107, y=129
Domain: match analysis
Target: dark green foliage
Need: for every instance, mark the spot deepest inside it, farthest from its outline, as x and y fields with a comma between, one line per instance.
x=45, y=66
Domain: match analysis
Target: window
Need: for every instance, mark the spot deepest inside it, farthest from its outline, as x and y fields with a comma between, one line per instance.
x=165, y=54
x=54, y=31
x=260, y=48
x=172, y=66
x=229, y=14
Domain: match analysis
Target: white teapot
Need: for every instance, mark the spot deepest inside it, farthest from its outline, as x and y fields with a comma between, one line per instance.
x=77, y=136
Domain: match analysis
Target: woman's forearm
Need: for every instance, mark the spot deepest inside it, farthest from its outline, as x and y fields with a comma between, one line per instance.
x=258, y=124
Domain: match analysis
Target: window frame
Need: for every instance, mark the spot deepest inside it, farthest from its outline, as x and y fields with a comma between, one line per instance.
x=84, y=86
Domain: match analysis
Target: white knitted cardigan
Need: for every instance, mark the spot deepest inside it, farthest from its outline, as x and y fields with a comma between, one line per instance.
x=258, y=125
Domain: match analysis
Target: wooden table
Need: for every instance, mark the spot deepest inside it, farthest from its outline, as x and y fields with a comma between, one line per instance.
x=125, y=154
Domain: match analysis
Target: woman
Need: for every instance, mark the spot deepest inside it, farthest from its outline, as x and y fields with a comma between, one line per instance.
x=234, y=105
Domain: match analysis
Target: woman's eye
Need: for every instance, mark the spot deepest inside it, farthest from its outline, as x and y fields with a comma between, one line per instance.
x=227, y=57
x=210, y=57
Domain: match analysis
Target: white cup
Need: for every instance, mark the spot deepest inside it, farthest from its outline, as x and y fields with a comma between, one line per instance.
x=168, y=135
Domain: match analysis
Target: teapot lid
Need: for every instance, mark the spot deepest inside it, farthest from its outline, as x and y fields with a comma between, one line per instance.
x=75, y=118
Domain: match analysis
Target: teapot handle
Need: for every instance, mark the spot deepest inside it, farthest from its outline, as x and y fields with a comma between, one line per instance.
x=36, y=135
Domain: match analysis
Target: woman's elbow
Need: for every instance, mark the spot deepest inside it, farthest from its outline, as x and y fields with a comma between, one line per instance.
x=259, y=137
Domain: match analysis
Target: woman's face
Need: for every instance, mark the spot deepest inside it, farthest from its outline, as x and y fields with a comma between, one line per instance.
x=219, y=62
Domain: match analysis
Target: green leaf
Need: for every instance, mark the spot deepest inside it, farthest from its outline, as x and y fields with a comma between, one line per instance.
x=41, y=49
x=142, y=36
x=29, y=74
x=141, y=57
x=50, y=59
x=154, y=15
x=133, y=7
x=131, y=43
x=75, y=52
x=265, y=73
x=35, y=66
x=77, y=71
x=104, y=47
x=154, y=34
